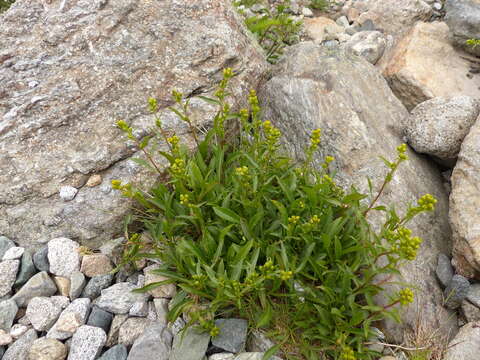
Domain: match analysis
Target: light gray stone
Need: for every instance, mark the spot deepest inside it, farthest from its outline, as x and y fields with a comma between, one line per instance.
x=61, y=301
x=8, y=311
x=232, y=336
x=360, y=119
x=118, y=352
x=5, y=244
x=5, y=338
x=221, y=356
x=368, y=44
x=39, y=285
x=464, y=205
x=462, y=18
x=43, y=313
x=444, y=270
x=438, y=126
x=67, y=193
x=161, y=307
x=253, y=356
x=162, y=291
x=63, y=257
x=14, y=253
x=18, y=330
x=72, y=317
x=114, y=249
x=8, y=274
x=77, y=284
x=465, y=344
x=258, y=342
x=117, y=321
x=68, y=118
x=47, y=349
x=96, y=284
x=190, y=344
x=140, y=309
x=20, y=348
x=456, y=291
x=119, y=298
x=131, y=329
x=156, y=339
x=87, y=343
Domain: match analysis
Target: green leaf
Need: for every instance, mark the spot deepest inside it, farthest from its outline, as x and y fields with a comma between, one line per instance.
x=265, y=318
x=270, y=352
x=227, y=214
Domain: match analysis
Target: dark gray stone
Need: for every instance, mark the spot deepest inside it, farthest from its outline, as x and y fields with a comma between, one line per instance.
x=190, y=344
x=5, y=244
x=456, y=292
x=462, y=18
x=100, y=318
x=444, y=270
x=156, y=339
x=27, y=269
x=8, y=310
x=96, y=284
x=474, y=295
x=118, y=352
x=40, y=259
x=232, y=336
x=39, y=285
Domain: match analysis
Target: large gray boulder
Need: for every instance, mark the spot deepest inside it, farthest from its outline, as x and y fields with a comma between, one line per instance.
x=465, y=205
x=69, y=71
x=465, y=345
x=361, y=119
x=463, y=19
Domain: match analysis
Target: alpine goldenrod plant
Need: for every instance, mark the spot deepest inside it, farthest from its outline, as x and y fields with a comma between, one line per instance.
x=5, y=4
x=244, y=230
x=274, y=29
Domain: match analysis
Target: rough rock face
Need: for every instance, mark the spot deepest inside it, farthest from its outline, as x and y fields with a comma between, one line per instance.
x=388, y=15
x=69, y=70
x=423, y=53
x=465, y=345
x=368, y=44
x=438, y=126
x=464, y=205
x=463, y=19
x=361, y=119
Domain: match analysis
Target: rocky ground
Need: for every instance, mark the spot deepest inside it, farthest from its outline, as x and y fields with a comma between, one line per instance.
x=370, y=73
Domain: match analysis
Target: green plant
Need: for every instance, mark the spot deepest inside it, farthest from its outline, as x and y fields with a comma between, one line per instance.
x=244, y=230
x=473, y=42
x=5, y=4
x=274, y=30
x=319, y=4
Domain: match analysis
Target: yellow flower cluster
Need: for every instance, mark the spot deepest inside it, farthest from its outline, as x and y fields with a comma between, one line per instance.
x=173, y=140
x=315, y=139
x=178, y=167
x=328, y=160
x=427, y=202
x=314, y=219
x=271, y=133
x=152, y=105
x=199, y=280
x=401, y=150
x=184, y=199
x=242, y=171
x=293, y=219
x=177, y=96
x=267, y=267
x=214, y=331
x=347, y=353
x=405, y=296
x=286, y=275
x=251, y=278
x=407, y=245
x=125, y=189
